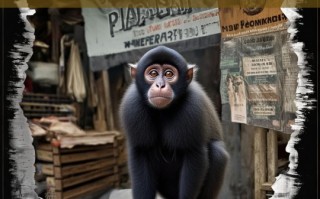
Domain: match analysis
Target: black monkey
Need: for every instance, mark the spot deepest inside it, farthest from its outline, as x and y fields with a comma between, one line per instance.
x=174, y=134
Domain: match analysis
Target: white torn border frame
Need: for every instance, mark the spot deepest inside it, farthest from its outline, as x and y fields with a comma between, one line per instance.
x=288, y=186
x=23, y=154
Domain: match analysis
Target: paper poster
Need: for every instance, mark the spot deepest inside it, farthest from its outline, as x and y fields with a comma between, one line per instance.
x=258, y=80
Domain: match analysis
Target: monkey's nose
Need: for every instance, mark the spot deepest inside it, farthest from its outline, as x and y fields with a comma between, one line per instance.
x=160, y=84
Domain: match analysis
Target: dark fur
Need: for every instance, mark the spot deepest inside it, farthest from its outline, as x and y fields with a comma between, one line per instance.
x=176, y=151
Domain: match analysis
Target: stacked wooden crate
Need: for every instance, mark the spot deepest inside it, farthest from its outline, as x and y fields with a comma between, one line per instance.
x=77, y=171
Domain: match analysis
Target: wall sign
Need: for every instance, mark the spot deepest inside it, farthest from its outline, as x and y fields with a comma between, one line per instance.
x=110, y=31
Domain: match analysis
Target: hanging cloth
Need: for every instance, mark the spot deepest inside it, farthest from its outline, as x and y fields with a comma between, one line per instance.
x=62, y=88
x=75, y=78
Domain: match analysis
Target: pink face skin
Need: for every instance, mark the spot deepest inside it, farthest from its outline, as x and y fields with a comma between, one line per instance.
x=161, y=77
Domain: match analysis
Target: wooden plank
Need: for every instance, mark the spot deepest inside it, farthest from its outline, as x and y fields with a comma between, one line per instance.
x=123, y=170
x=57, y=160
x=47, y=98
x=76, y=157
x=39, y=115
x=123, y=159
x=272, y=155
x=266, y=186
x=99, y=119
x=47, y=169
x=92, y=94
x=260, y=161
x=46, y=105
x=61, y=172
x=57, y=150
x=109, y=112
x=44, y=146
x=61, y=184
x=87, y=188
x=44, y=155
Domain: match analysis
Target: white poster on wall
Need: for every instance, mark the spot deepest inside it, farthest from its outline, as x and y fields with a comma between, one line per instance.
x=111, y=31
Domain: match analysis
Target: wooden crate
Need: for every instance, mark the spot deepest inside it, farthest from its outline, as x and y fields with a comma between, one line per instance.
x=71, y=173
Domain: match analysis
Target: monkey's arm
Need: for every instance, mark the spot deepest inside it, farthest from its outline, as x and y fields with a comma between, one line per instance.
x=142, y=176
x=193, y=172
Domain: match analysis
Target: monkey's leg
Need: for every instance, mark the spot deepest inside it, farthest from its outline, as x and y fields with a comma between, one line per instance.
x=218, y=158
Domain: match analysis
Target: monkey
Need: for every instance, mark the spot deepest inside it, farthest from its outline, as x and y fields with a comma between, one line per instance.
x=174, y=135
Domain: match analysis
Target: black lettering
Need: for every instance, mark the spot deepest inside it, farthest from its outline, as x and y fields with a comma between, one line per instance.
x=170, y=35
x=131, y=19
x=113, y=18
x=163, y=37
x=142, y=41
x=264, y=21
x=224, y=28
x=274, y=18
x=242, y=23
x=122, y=19
x=156, y=39
x=151, y=39
x=163, y=12
x=127, y=44
x=257, y=22
x=283, y=16
x=175, y=34
x=269, y=20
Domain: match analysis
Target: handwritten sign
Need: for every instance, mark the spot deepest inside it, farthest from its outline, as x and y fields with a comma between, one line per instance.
x=111, y=31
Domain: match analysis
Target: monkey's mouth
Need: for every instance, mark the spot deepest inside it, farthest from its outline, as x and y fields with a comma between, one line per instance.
x=165, y=97
x=160, y=101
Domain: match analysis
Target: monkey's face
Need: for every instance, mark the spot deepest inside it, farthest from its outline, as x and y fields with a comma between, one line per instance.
x=160, y=78
x=162, y=75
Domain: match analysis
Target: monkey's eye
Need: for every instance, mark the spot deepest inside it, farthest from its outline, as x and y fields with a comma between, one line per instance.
x=168, y=74
x=153, y=73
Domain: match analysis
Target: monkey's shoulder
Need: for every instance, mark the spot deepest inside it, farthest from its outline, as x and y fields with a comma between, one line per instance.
x=197, y=95
x=132, y=101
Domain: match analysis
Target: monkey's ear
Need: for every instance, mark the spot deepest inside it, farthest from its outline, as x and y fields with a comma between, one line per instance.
x=133, y=70
x=192, y=69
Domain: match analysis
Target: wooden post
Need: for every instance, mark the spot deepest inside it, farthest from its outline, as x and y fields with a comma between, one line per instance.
x=109, y=112
x=56, y=34
x=260, y=161
x=247, y=157
x=272, y=154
